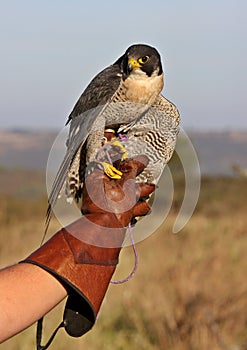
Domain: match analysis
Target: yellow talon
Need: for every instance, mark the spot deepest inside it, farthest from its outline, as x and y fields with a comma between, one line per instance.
x=124, y=155
x=111, y=171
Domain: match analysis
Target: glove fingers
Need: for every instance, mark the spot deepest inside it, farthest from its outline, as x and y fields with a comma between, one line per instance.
x=141, y=209
x=144, y=189
x=133, y=167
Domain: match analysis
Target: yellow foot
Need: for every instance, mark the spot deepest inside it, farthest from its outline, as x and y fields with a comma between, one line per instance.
x=110, y=137
x=111, y=171
x=121, y=148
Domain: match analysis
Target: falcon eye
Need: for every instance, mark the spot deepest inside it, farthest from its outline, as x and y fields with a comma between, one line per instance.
x=143, y=59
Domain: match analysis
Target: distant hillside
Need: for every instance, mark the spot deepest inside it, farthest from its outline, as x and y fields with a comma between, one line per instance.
x=217, y=152
x=25, y=149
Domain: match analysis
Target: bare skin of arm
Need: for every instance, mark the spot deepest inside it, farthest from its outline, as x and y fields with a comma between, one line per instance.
x=24, y=303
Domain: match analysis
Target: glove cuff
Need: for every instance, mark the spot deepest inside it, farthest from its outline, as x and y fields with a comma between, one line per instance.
x=85, y=270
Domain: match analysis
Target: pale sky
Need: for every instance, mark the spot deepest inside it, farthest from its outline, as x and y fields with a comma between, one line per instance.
x=51, y=49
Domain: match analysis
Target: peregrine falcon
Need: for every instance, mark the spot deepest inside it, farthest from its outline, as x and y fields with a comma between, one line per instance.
x=123, y=100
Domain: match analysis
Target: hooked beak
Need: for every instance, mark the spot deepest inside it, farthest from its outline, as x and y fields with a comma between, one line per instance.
x=133, y=64
x=128, y=65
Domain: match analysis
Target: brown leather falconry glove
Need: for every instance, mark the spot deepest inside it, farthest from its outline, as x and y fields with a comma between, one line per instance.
x=83, y=256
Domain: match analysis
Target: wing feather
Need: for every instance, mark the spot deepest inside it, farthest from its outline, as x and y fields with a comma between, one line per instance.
x=86, y=111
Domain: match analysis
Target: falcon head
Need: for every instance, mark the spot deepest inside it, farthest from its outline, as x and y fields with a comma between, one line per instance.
x=140, y=60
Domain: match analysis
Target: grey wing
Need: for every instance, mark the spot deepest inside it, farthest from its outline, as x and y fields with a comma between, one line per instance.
x=155, y=135
x=82, y=118
x=98, y=92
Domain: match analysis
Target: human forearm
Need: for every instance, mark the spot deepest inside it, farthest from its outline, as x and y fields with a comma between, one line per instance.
x=27, y=292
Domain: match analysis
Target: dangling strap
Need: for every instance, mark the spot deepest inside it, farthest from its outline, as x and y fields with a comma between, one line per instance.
x=78, y=319
x=39, y=335
x=126, y=279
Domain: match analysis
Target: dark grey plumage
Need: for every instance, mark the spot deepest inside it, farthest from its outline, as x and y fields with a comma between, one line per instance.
x=126, y=97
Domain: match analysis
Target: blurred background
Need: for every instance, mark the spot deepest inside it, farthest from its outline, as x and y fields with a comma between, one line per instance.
x=190, y=291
